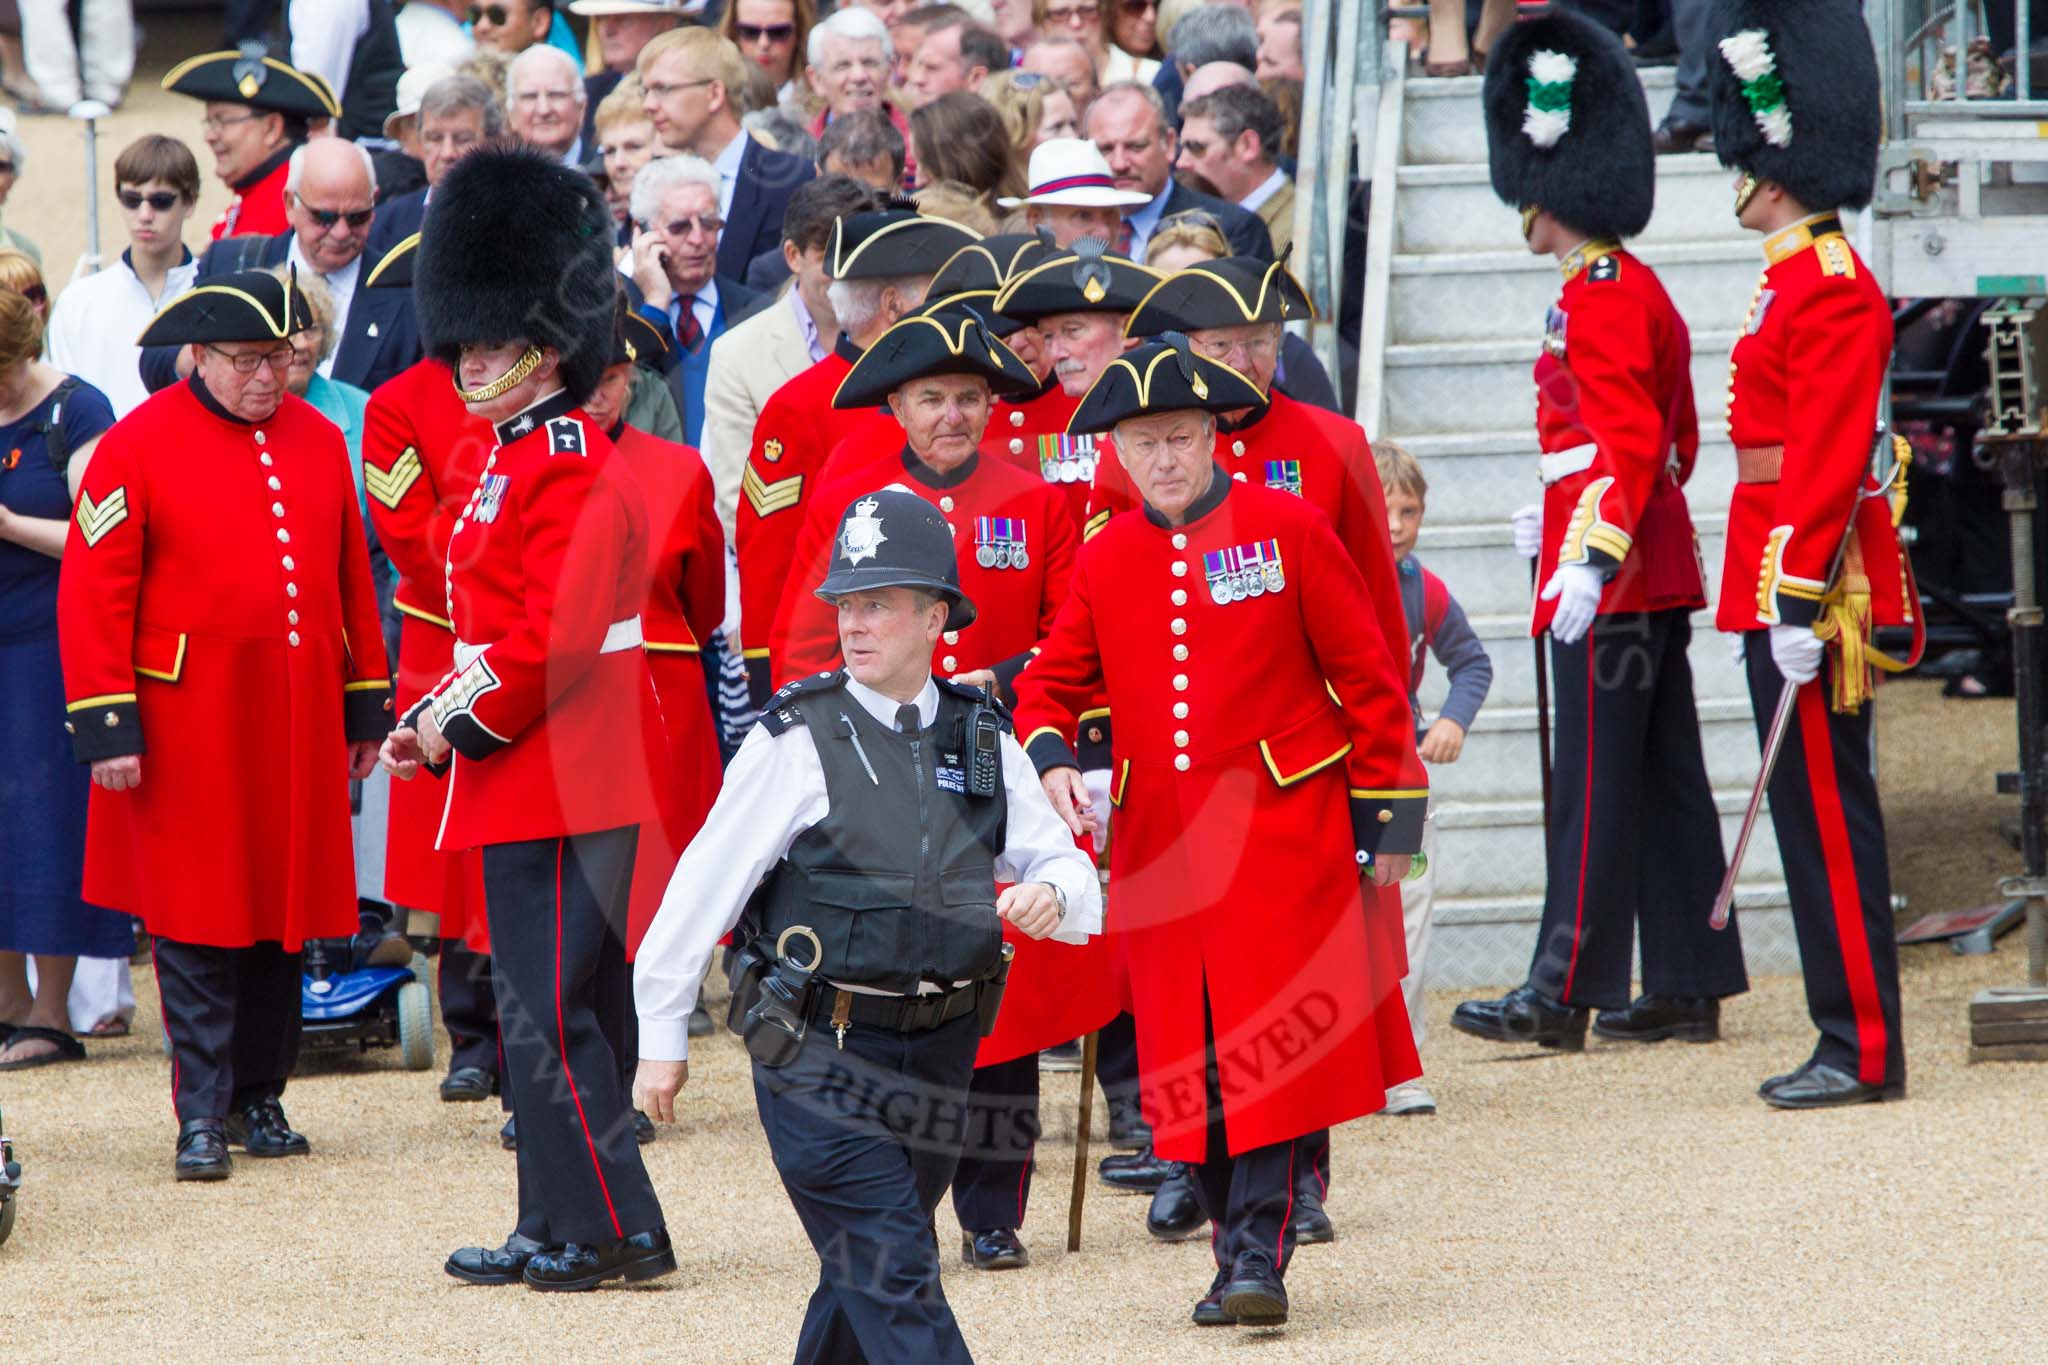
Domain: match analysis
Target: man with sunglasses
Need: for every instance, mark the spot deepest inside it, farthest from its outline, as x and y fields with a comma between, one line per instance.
x=257, y=113
x=329, y=209
x=511, y=26
x=623, y=28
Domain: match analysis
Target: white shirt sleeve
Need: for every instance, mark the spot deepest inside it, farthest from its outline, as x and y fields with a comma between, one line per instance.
x=324, y=37
x=1038, y=847
x=774, y=791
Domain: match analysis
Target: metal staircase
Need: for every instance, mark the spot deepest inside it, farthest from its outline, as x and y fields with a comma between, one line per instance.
x=1454, y=315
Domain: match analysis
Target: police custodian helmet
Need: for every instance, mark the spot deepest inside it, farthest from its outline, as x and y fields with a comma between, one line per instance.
x=892, y=538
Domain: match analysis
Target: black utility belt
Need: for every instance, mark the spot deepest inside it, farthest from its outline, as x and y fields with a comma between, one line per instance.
x=832, y=1004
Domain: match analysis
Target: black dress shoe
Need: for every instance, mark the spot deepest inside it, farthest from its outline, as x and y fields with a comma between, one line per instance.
x=508, y=1136
x=1176, y=1215
x=380, y=948
x=467, y=1085
x=1061, y=1057
x=1311, y=1224
x=494, y=1265
x=1820, y=1086
x=1653, y=1018
x=1128, y=1131
x=700, y=1022
x=203, y=1151
x=1254, y=1295
x=261, y=1131
x=586, y=1265
x=643, y=1128
x=1523, y=1015
x=1209, y=1308
x=1676, y=136
x=997, y=1249
x=1135, y=1173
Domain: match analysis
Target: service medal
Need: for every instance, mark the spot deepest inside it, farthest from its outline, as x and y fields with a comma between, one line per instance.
x=1218, y=574
x=1002, y=553
x=1270, y=570
x=1018, y=558
x=985, y=555
x=1070, y=470
x=984, y=542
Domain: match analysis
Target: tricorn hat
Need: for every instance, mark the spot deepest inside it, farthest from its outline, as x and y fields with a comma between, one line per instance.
x=518, y=248
x=891, y=242
x=1161, y=376
x=892, y=538
x=1794, y=86
x=979, y=272
x=249, y=77
x=950, y=337
x=636, y=341
x=1229, y=292
x=1085, y=278
x=1567, y=128
x=394, y=268
x=248, y=305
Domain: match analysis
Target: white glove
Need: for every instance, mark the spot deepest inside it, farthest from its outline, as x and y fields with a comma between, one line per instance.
x=1576, y=589
x=1097, y=782
x=1528, y=527
x=1796, y=650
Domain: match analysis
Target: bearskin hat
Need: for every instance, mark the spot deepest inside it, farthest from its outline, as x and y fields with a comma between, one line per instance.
x=1567, y=128
x=517, y=247
x=1794, y=86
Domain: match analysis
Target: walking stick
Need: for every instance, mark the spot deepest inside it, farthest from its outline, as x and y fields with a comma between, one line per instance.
x=1542, y=709
x=1081, y=1126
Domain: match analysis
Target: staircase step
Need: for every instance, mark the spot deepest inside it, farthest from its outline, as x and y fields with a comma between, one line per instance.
x=1463, y=385
x=1479, y=565
x=1512, y=651
x=1441, y=121
x=1479, y=484
x=1475, y=295
x=1504, y=856
x=1500, y=761
x=1453, y=208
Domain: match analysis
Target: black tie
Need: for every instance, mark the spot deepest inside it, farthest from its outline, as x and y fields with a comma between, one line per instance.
x=906, y=719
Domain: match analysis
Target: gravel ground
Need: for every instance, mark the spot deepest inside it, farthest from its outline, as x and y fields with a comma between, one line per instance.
x=1624, y=1203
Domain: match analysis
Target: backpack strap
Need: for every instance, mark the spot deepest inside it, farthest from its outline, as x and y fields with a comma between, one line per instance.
x=52, y=426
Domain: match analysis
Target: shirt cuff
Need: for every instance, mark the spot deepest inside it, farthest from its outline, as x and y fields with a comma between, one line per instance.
x=665, y=1040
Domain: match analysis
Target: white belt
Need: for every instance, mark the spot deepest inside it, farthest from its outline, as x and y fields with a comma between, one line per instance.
x=1562, y=464
x=619, y=636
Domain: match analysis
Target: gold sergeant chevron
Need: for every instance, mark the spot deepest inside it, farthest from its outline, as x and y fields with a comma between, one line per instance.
x=769, y=498
x=389, y=486
x=95, y=519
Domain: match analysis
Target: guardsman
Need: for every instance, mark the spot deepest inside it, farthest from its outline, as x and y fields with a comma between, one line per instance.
x=257, y=114
x=1014, y=543
x=880, y=264
x=1796, y=111
x=545, y=582
x=1633, y=833
x=217, y=567
x=1264, y=765
x=423, y=452
x=881, y=804
x=1232, y=311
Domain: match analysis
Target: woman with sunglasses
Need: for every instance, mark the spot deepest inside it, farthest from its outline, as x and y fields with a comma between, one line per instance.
x=1133, y=53
x=13, y=155
x=772, y=34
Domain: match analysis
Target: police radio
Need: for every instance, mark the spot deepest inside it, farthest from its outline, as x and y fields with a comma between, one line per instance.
x=984, y=759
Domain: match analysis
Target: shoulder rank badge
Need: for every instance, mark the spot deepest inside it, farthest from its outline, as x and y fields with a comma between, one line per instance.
x=95, y=519
x=1284, y=475
x=1066, y=459
x=999, y=543
x=1243, y=571
x=490, y=496
x=771, y=450
x=565, y=436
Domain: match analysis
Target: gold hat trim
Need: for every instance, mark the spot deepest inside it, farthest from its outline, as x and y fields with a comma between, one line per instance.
x=184, y=68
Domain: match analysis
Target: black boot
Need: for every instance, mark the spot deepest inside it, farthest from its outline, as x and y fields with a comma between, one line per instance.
x=583, y=1265
x=203, y=1151
x=1653, y=1018
x=1135, y=1172
x=494, y=1265
x=1524, y=1015
x=261, y=1130
x=1254, y=1296
x=1176, y=1215
x=996, y=1249
x=1820, y=1086
x=1311, y=1223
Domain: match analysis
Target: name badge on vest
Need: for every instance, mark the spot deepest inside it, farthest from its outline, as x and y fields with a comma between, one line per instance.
x=490, y=496
x=1553, y=331
x=1066, y=459
x=1284, y=475
x=999, y=543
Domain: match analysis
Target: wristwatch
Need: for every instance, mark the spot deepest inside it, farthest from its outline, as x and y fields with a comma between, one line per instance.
x=1059, y=896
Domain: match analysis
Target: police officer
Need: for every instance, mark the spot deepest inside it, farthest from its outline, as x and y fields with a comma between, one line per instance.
x=1633, y=833
x=881, y=804
x=545, y=583
x=1264, y=757
x=1813, y=560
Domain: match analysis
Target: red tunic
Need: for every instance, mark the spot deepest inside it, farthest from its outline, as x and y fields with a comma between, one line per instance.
x=1031, y=433
x=1235, y=846
x=257, y=209
x=217, y=617
x=423, y=451
x=1806, y=378
x=1615, y=423
x=685, y=602
x=550, y=707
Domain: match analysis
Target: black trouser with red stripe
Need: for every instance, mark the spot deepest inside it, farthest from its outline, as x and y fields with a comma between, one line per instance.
x=469, y=1007
x=992, y=1184
x=1249, y=1198
x=1830, y=831
x=1634, y=838
x=232, y=1016
x=553, y=906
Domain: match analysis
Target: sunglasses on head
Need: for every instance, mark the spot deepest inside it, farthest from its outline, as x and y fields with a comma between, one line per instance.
x=754, y=33
x=327, y=218
x=163, y=201
x=497, y=14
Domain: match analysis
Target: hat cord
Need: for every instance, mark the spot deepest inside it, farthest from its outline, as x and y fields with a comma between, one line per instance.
x=504, y=383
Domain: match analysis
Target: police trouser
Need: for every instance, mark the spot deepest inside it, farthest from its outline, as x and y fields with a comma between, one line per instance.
x=1831, y=841
x=1249, y=1198
x=553, y=903
x=992, y=1187
x=232, y=1017
x=469, y=1007
x=1635, y=838
x=865, y=1138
